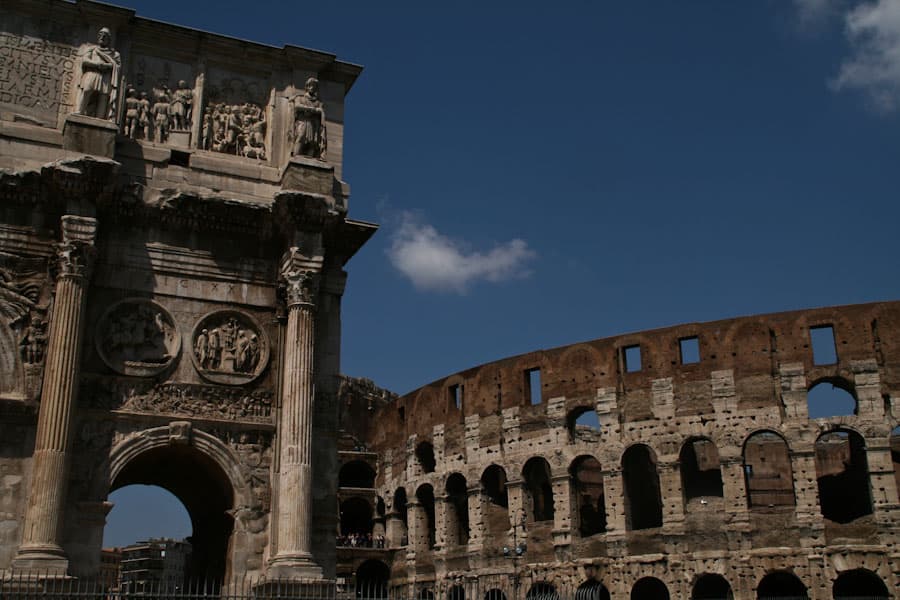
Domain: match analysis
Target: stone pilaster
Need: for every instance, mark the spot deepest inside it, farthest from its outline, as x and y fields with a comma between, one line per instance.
x=672, y=496
x=40, y=549
x=476, y=518
x=614, y=492
x=293, y=557
x=562, y=511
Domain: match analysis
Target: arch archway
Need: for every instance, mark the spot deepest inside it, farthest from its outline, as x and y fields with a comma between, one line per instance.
x=426, y=523
x=859, y=583
x=649, y=588
x=496, y=502
x=356, y=474
x=643, y=502
x=768, y=472
x=536, y=474
x=587, y=487
x=842, y=474
x=356, y=518
x=541, y=590
x=831, y=397
x=458, y=510
x=425, y=457
x=591, y=590
x=372, y=580
x=700, y=473
x=711, y=586
x=781, y=584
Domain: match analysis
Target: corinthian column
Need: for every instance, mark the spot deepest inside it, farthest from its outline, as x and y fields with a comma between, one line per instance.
x=41, y=529
x=293, y=557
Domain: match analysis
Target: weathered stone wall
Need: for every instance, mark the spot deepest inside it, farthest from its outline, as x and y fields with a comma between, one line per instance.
x=753, y=376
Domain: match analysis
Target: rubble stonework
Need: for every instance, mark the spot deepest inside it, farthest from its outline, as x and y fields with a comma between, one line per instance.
x=699, y=473
x=144, y=319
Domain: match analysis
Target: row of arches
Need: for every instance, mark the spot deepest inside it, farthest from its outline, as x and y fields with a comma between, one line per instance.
x=841, y=470
x=372, y=582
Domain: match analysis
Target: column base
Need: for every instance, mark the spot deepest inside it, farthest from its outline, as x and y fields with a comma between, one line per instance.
x=294, y=567
x=46, y=560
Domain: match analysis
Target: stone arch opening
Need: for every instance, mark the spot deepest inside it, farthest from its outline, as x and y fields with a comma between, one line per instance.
x=496, y=507
x=425, y=523
x=587, y=488
x=712, y=586
x=456, y=592
x=859, y=583
x=206, y=493
x=895, y=457
x=701, y=476
x=768, y=473
x=494, y=594
x=356, y=520
x=541, y=590
x=831, y=397
x=643, y=502
x=398, y=533
x=842, y=473
x=372, y=579
x=649, y=588
x=781, y=584
x=583, y=424
x=141, y=512
x=356, y=474
x=536, y=474
x=457, y=510
x=592, y=590
x=425, y=456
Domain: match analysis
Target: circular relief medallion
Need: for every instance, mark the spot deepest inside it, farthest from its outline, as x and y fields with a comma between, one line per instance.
x=137, y=337
x=229, y=347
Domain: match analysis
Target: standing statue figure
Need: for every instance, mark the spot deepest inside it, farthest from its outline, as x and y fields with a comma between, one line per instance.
x=308, y=132
x=100, y=66
x=182, y=106
x=161, y=115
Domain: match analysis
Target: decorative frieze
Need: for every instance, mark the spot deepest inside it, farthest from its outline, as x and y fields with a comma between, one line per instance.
x=137, y=337
x=229, y=347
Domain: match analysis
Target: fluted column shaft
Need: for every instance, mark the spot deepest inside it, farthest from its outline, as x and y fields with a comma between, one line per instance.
x=293, y=556
x=42, y=527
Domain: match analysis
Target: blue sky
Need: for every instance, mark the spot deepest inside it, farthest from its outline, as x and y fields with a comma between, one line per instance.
x=546, y=174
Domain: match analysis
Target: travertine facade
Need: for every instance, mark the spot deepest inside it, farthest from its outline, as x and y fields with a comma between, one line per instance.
x=705, y=476
x=173, y=227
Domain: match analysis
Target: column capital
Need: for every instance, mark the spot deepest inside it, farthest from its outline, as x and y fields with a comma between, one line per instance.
x=76, y=252
x=300, y=277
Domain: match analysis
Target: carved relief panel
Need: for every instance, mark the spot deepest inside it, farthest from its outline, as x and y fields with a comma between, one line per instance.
x=137, y=337
x=229, y=347
x=160, y=101
x=235, y=119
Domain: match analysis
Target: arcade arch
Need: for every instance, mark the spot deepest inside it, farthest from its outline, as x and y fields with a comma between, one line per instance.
x=700, y=473
x=536, y=474
x=649, y=588
x=831, y=397
x=842, y=474
x=587, y=489
x=643, y=502
x=457, y=510
x=496, y=502
x=781, y=584
x=711, y=586
x=372, y=580
x=768, y=472
x=356, y=517
x=426, y=524
x=859, y=583
x=356, y=474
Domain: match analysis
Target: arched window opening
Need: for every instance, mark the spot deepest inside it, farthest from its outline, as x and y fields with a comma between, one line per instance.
x=425, y=456
x=425, y=594
x=398, y=526
x=700, y=474
x=587, y=487
x=206, y=493
x=495, y=507
x=425, y=496
x=649, y=588
x=458, y=510
x=591, y=590
x=456, y=592
x=356, y=523
x=712, y=587
x=781, y=584
x=859, y=583
x=583, y=424
x=372, y=580
x=895, y=456
x=357, y=474
x=842, y=473
x=831, y=398
x=494, y=594
x=643, y=503
x=540, y=490
x=767, y=471
x=542, y=591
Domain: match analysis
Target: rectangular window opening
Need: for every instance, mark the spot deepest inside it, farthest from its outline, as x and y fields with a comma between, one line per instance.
x=456, y=395
x=182, y=159
x=690, y=350
x=533, y=385
x=824, y=350
x=632, y=359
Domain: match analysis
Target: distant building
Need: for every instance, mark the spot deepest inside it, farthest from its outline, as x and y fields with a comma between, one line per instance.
x=110, y=564
x=154, y=561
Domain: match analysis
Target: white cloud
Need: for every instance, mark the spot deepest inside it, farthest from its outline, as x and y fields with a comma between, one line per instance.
x=435, y=262
x=813, y=14
x=873, y=30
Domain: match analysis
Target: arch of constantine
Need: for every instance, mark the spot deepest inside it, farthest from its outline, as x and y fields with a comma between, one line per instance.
x=174, y=224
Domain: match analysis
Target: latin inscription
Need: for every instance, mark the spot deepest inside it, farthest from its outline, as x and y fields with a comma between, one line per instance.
x=35, y=74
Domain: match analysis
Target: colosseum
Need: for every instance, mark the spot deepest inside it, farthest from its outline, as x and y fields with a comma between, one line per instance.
x=705, y=473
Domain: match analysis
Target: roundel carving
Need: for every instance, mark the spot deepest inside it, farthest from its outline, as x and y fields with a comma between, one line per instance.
x=229, y=347
x=137, y=337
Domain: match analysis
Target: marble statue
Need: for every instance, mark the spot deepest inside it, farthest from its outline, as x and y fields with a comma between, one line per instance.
x=100, y=67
